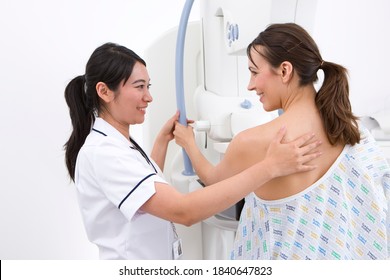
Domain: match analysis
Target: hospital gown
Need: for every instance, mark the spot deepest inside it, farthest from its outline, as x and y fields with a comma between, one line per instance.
x=344, y=215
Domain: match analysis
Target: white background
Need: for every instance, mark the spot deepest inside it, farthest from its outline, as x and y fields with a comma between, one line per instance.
x=44, y=44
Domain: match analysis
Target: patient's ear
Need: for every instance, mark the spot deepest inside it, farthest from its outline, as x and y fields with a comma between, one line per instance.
x=104, y=92
x=286, y=71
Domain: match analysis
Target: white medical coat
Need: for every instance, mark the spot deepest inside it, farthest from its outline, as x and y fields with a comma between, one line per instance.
x=113, y=181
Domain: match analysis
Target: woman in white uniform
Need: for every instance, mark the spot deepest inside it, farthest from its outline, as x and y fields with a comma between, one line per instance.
x=127, y=206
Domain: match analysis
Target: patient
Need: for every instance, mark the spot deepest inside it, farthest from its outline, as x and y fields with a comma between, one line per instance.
x=337, y=211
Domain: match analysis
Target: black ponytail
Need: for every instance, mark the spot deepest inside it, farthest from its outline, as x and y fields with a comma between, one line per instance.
x=82, y=117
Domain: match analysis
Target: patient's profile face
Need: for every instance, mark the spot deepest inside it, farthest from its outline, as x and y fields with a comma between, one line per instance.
x=265, y=80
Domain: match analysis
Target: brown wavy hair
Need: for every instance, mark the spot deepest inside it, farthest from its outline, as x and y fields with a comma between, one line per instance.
x=290, y=42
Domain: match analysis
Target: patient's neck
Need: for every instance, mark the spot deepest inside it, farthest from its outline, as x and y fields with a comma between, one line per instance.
x=298, y=98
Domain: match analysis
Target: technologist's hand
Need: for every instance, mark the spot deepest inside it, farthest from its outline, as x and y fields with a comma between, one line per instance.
x=166, y=131
x=184, y=135
x=291, y=157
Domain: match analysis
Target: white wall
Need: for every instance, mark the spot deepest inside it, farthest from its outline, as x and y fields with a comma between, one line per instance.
x=44, y=44
x=355, y=34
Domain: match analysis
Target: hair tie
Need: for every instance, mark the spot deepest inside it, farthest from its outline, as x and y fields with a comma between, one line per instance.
x=84, y=83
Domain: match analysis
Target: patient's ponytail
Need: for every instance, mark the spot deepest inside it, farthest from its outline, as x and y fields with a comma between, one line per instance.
x=335, y=109
x=290, y=42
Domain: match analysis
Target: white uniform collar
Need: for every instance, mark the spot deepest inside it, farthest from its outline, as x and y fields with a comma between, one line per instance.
x=107, y=129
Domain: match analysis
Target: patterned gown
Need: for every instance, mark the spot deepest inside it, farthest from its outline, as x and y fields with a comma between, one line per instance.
x=344, y=215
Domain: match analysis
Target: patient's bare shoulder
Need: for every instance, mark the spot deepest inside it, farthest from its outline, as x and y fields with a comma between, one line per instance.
x=250, y=145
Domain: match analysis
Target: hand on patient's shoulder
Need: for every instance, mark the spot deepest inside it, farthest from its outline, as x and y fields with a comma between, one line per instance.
x=291, y=157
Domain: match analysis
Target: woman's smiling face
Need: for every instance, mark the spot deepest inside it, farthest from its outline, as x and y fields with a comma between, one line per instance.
x=265, y=80
x=132, y=97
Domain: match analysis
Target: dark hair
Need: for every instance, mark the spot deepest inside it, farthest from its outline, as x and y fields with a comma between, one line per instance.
x=290, y=42
x=111, y=64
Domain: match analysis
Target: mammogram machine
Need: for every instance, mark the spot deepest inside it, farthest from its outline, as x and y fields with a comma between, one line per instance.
x=215, y=78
